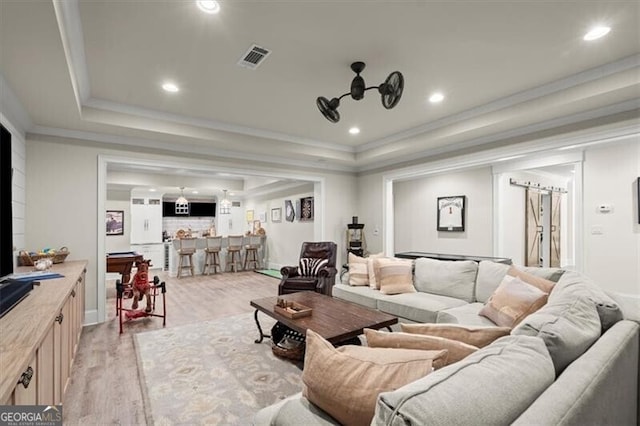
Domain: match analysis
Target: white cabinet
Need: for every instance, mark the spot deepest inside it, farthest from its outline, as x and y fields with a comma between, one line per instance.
x=146, y=220
x=153, y=252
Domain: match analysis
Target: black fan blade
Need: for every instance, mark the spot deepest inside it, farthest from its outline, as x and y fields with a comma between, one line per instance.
x=391, y=89
x=328, y=109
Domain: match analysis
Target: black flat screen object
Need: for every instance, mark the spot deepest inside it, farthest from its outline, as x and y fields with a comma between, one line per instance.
x=12, y=292
x=6, y=212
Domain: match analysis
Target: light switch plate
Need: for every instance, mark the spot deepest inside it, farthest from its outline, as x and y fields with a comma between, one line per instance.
x=597, y=230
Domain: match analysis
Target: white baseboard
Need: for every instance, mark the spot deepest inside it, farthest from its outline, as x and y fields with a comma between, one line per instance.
x=90, y=317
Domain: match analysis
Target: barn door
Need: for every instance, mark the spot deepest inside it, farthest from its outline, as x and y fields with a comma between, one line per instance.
x=534, y=228
x=554, y=240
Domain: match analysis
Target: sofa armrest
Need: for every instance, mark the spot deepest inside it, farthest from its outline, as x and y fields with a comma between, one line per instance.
x=327, y=272
x=289, y=271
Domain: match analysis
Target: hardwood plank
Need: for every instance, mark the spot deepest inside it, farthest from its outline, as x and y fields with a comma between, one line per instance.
x=105, y=386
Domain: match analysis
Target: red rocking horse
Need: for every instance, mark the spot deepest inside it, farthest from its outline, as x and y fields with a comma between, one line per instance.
x=140, y=287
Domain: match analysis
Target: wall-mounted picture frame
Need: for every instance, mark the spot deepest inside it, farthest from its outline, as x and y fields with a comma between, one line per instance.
x=289, y=211
x=276, y=215
x=249, y=216
x=115, y=222
x=306, y=209
x=262, y=217
x=638, y=197
x=451, y=212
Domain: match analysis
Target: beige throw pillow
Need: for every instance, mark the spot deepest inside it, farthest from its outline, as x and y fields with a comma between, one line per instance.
x=346, y=382
x=539, y=282
x=455, y=350
x=512, y=301
x=395, y=276
x=358, y=272
x=474, y=336
x=373, y=268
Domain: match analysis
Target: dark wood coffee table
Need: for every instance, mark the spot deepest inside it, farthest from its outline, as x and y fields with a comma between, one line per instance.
x=334, y=319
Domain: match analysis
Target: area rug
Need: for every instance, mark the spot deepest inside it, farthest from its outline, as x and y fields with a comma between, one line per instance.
x=270, y=272
x=212, y=372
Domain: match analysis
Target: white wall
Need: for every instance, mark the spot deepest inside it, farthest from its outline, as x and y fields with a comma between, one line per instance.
x=119, y=200
x=284, y=238
x=612, y=257
x=415, y=213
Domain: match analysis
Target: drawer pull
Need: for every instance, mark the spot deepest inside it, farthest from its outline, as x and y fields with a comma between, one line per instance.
x=25, y=379
x=59, y=318
x=73, y=293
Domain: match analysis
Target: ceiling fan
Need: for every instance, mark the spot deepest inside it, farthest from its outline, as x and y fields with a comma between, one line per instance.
x=390, y=92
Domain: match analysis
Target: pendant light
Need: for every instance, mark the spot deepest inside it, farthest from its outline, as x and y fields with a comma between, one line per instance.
x=182, y=204
x=225, y=204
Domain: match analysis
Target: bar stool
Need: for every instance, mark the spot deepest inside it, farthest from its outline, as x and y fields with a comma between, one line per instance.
x=251, y=252
x=212, y=255
x=185, y=252
x=234, y=253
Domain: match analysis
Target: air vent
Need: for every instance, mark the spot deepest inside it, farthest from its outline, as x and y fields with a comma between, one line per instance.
x=235, y=204
x=253, y=57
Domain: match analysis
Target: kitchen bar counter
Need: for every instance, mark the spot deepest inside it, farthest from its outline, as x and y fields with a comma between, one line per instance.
x=199, y=256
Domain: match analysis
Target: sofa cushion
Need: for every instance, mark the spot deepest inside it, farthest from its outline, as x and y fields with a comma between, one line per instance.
x=418, y=307
x=294, y=410
x=573, y=284
x=568, y=329
x=551, y=274
x=512, y=301
x=475, y=336
x=467, y=314
x=358, y=375
x=491, y=386
x=446, y=278
x=456, y=350
x=490, y=275
x=364, y=296
x=395, y=276
x=542, y=283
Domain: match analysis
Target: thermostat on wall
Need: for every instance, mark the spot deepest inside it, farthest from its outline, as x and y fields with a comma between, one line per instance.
x=605, y=208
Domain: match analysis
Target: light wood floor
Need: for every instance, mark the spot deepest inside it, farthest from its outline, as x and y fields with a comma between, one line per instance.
x=105, y=387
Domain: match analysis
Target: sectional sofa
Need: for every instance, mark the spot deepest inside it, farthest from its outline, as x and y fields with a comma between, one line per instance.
x=574, y=361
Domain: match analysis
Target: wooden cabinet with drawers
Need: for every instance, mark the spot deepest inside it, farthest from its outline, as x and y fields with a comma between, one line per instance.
x=40, y=337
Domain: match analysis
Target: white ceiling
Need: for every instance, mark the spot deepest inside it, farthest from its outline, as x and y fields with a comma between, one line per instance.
x=93, y=69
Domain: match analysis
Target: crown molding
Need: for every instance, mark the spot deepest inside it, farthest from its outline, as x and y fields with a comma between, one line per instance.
x=532, y=129
x=118, y=141
x=583, y=77
x=12, y=109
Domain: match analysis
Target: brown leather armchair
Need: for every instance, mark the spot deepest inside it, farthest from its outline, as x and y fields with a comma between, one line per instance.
x=324, y=279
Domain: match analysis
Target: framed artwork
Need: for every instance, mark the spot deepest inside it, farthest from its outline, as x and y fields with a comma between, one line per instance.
x=306, y=209
x=249, y=216
x=262, y=217
x=638, y=197
x=276, y=215
x=289, y=212
x=451, y=213
x=115, y=222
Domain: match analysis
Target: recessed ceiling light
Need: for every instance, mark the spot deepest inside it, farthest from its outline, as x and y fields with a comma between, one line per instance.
x=232, y=193
x=194, y=192
x=596, y=32
x=152, y=190
x=170, y=87
x=208, y=6
x=436, y=97
x=354, y=130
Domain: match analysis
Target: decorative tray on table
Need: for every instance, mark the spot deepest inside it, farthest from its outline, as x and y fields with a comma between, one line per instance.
x=292, y=310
